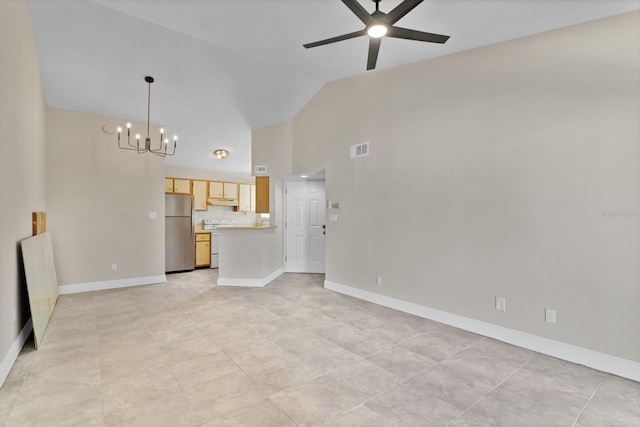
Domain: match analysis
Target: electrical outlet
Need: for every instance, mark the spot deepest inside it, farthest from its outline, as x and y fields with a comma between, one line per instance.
x=379, y=280
x=114, y=266
x=501, y=304
x=549, y=315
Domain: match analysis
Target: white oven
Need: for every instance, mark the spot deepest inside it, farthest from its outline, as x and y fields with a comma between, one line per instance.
x=211, y=224
x=214, y=249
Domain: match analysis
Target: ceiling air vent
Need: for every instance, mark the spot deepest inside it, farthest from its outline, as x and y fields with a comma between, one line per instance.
x=359, y=150
x=260, y=169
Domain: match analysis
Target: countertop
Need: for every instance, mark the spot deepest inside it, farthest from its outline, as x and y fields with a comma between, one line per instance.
x=246, y=227
x=239, y=227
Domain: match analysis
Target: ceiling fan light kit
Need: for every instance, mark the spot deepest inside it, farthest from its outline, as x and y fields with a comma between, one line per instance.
x=379, y=24
x=377, y=31
x=161, y=150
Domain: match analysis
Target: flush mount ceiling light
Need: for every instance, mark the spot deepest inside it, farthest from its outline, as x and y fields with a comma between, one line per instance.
x=379, y=24
x=221, y=154
x=146, y=147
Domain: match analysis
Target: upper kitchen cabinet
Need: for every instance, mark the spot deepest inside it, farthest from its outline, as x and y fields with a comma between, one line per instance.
x=253, y=197
x=262, y=194
x=177, y=185
x=223, y=193
x=244, y=197
x=199, y=195
x=230, y=190
x=216, y=190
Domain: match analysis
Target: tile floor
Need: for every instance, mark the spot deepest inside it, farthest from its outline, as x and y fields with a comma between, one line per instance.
x=189, y=353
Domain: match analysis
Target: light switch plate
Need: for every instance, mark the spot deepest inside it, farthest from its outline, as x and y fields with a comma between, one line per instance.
x=550, y=315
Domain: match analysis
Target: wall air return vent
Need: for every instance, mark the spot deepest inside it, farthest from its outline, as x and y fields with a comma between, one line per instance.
x=260, y=169
x=359, y=150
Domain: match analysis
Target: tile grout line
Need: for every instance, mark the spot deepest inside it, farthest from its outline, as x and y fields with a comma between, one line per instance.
x=93, y=299
x=588, y=401
x=491, y=391
x=364, y=358
x=406, y=380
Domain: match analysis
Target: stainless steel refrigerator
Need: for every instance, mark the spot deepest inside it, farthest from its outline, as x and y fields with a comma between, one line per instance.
x=179, y=237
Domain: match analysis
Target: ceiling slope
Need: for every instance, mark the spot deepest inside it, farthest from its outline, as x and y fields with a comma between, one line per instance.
x=224, y=67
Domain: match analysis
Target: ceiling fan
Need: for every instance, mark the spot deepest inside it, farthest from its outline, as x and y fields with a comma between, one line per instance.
x=379, y=24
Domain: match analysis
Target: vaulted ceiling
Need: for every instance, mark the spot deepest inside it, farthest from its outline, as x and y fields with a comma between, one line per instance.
x=224, y=67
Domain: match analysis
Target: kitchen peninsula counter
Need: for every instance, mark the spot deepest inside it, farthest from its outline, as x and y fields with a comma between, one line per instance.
x=246, y=227
x=247, y=257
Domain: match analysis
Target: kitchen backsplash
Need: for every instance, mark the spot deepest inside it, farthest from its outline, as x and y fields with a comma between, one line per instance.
x=224, y=212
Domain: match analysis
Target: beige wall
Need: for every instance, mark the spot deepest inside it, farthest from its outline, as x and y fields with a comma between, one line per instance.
x=489, y=174
x=211, y=175
x=271, y=146
x=99, y=200
x=22, y=159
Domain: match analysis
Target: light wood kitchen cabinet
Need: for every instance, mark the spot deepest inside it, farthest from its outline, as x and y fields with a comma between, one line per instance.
x=262, y=194
x=253, y=197
x=244, y=197
x=168, y=185
x=177, y=186
x=223, y=190
x=223, y=194
x=203, y=249
x=199, y=195
x=230, y=190
x=216, y=190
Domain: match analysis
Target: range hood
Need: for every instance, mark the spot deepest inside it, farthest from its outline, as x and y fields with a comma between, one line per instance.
x=223, y=202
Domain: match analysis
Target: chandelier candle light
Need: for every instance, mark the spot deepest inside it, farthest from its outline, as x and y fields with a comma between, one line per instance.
x=146, y=147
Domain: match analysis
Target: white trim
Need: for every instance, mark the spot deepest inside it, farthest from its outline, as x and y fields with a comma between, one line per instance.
x=253, y=283
x=110, y=284
x=593, y=359
x=14, y=351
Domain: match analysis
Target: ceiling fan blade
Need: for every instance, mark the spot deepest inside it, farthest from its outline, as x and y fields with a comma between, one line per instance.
x=336, y=39
x=401, y=10
x=359, y=11
x=374, y=48
x=405, y=33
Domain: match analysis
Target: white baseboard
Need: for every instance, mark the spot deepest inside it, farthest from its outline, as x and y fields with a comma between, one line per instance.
x=14, y=351
x=593, y=359
x=253, y=283
x=110, y=284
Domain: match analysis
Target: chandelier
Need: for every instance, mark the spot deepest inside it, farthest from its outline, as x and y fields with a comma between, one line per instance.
x=146, y=147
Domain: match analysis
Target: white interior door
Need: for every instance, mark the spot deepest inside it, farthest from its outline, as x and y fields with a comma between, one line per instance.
x=305, y=227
